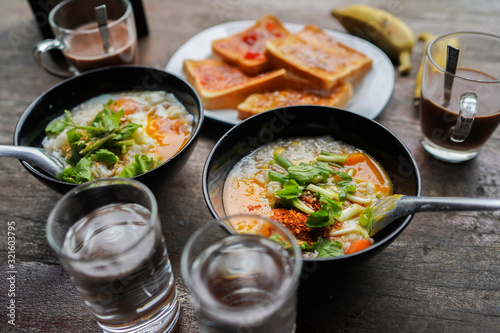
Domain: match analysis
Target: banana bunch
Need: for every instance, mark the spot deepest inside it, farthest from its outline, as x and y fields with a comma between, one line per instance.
x=389, y=33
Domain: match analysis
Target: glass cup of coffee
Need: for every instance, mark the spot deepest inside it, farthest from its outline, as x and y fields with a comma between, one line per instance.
x=90, y=34
x=456, y=124
x=108, y=237
x=243, y=273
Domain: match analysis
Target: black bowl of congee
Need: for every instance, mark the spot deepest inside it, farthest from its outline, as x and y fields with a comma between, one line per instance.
x=125, y=121
x=318, y=171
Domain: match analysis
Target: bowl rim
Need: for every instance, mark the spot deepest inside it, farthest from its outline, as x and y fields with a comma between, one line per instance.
x=22, y=119
x=388, y=238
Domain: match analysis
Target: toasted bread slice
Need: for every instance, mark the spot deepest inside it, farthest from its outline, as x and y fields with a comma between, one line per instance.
x=257, y=103
x=246, y=49
x=222, y=86
x=317, y=58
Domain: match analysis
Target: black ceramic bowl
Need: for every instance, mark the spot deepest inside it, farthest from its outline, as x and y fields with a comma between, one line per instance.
x=349, y=127
x=30, y=129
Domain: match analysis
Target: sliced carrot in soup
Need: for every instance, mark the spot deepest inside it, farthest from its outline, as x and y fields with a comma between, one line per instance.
x=358, y=245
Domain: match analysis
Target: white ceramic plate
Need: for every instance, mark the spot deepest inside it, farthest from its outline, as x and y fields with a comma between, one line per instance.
x=370, y=95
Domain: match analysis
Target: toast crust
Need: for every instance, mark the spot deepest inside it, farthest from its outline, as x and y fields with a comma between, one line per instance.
x=317, y=58
x=246, y=49
x=222, y=86
x=257, y=103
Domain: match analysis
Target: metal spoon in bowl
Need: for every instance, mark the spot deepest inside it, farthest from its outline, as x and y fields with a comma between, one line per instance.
x=38, y=156
x=395, y=206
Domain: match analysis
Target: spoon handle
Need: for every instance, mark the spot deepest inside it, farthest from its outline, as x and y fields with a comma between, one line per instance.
x=447, y=204
x=19, y=152
x=33, y=155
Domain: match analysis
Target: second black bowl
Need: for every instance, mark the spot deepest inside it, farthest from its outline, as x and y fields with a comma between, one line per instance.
x=346, y=126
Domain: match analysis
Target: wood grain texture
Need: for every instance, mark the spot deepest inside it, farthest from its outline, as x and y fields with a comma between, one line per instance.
x=442, y=273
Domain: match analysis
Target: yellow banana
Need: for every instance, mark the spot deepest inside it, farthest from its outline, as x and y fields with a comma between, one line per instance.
x=439, y=55
x=426, y=38
x=389, y=33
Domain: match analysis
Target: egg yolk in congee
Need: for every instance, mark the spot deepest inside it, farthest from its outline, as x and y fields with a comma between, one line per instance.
x=128, y=105
x=171, y=134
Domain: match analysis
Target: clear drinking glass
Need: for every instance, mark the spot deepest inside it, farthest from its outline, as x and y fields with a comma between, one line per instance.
x=107, y=235
x=455, y=130
x=83, y=42
x=243, y=274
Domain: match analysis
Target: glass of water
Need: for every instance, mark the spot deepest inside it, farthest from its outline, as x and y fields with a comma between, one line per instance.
x=243, y=274
x=107, y=235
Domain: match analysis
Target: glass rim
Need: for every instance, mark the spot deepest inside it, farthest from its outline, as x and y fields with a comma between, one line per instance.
x=92, y=184
x=465, y=32
x=186, y=269
x=122, y=18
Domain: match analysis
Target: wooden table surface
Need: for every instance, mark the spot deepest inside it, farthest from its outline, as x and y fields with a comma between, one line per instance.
x=441, y=274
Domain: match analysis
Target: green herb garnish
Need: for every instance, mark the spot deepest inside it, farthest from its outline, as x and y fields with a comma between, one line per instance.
x=330, y=210
x=104, y=155
x=140, y=165
x=78, y=174
x=289, y=196
x=307, y=173
x=326, y=248
x=366, y=219
x=56, y=126
x=103, y=140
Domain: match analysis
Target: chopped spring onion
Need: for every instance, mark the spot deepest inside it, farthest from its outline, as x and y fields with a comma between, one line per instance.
x=348, y=230
x=331, y=157
x=327, y=193
x=301, y=206
x=350, y=212
x=344, y=231
x=359, y=200
x=363, y=232
x=278, y=158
